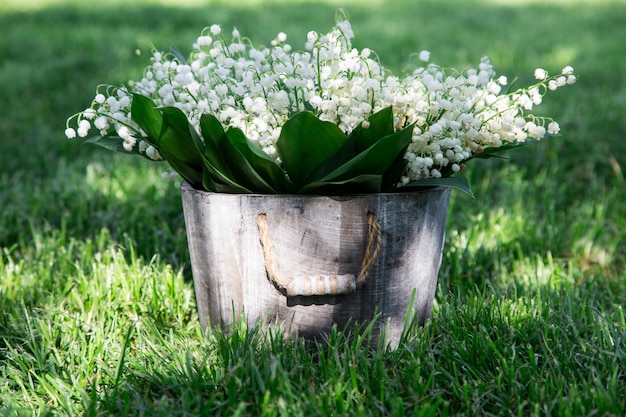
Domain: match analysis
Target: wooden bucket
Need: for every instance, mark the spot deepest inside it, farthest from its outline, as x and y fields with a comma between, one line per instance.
x=310, y=262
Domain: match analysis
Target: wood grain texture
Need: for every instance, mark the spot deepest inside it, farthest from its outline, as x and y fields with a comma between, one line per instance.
x=312, y=236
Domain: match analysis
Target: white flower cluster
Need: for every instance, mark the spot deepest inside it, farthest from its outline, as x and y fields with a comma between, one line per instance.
x=455, y=114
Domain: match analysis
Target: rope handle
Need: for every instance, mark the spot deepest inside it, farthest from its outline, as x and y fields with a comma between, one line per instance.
x=320, y=284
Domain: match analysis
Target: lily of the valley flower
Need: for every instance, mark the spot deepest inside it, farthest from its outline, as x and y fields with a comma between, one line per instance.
x=455, y=115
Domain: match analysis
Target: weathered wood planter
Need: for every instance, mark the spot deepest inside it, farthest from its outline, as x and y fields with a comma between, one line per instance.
x=309, y=262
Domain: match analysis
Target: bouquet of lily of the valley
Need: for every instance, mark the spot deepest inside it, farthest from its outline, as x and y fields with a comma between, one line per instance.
x=330, y=119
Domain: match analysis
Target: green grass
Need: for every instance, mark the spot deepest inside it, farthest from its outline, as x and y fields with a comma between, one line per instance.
x=96, y=303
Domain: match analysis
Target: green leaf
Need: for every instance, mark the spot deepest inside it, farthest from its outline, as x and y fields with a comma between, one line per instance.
x=170, y=133
x=144, y=113
x=207, y=181
x=460, y=183
x=260, y=163
x=213, y=133
x=305, y=142
x=361, y=184
x=180, y=139
x=217, y=172
x=191, y=174
x=393, y=174
x=218, y=182
x=330, y=164
x=177, y=121
x=381, y=125
x=243, y=172
x=375, y=160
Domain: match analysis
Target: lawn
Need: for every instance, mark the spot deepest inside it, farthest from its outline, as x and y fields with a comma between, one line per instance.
x=97, y=313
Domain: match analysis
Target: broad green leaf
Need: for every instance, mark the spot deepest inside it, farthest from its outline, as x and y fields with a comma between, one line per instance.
x=213, y=133
x=191, y=174
x=144, y=113
x=305, y=142
x=168, y=131
x=375, y=160
x=345, y=153
x=227, y=187
x=210, y=185
x=361, y=184
x=243, y=172
x=207, y=182
x=330, y=164
x=217, y=171
x=460, y=183
x=381, y=125
x=261, y=165
x=177, y=121
x=231, y=189
x=393, y=174
x=212, y=176
x=178, y=140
